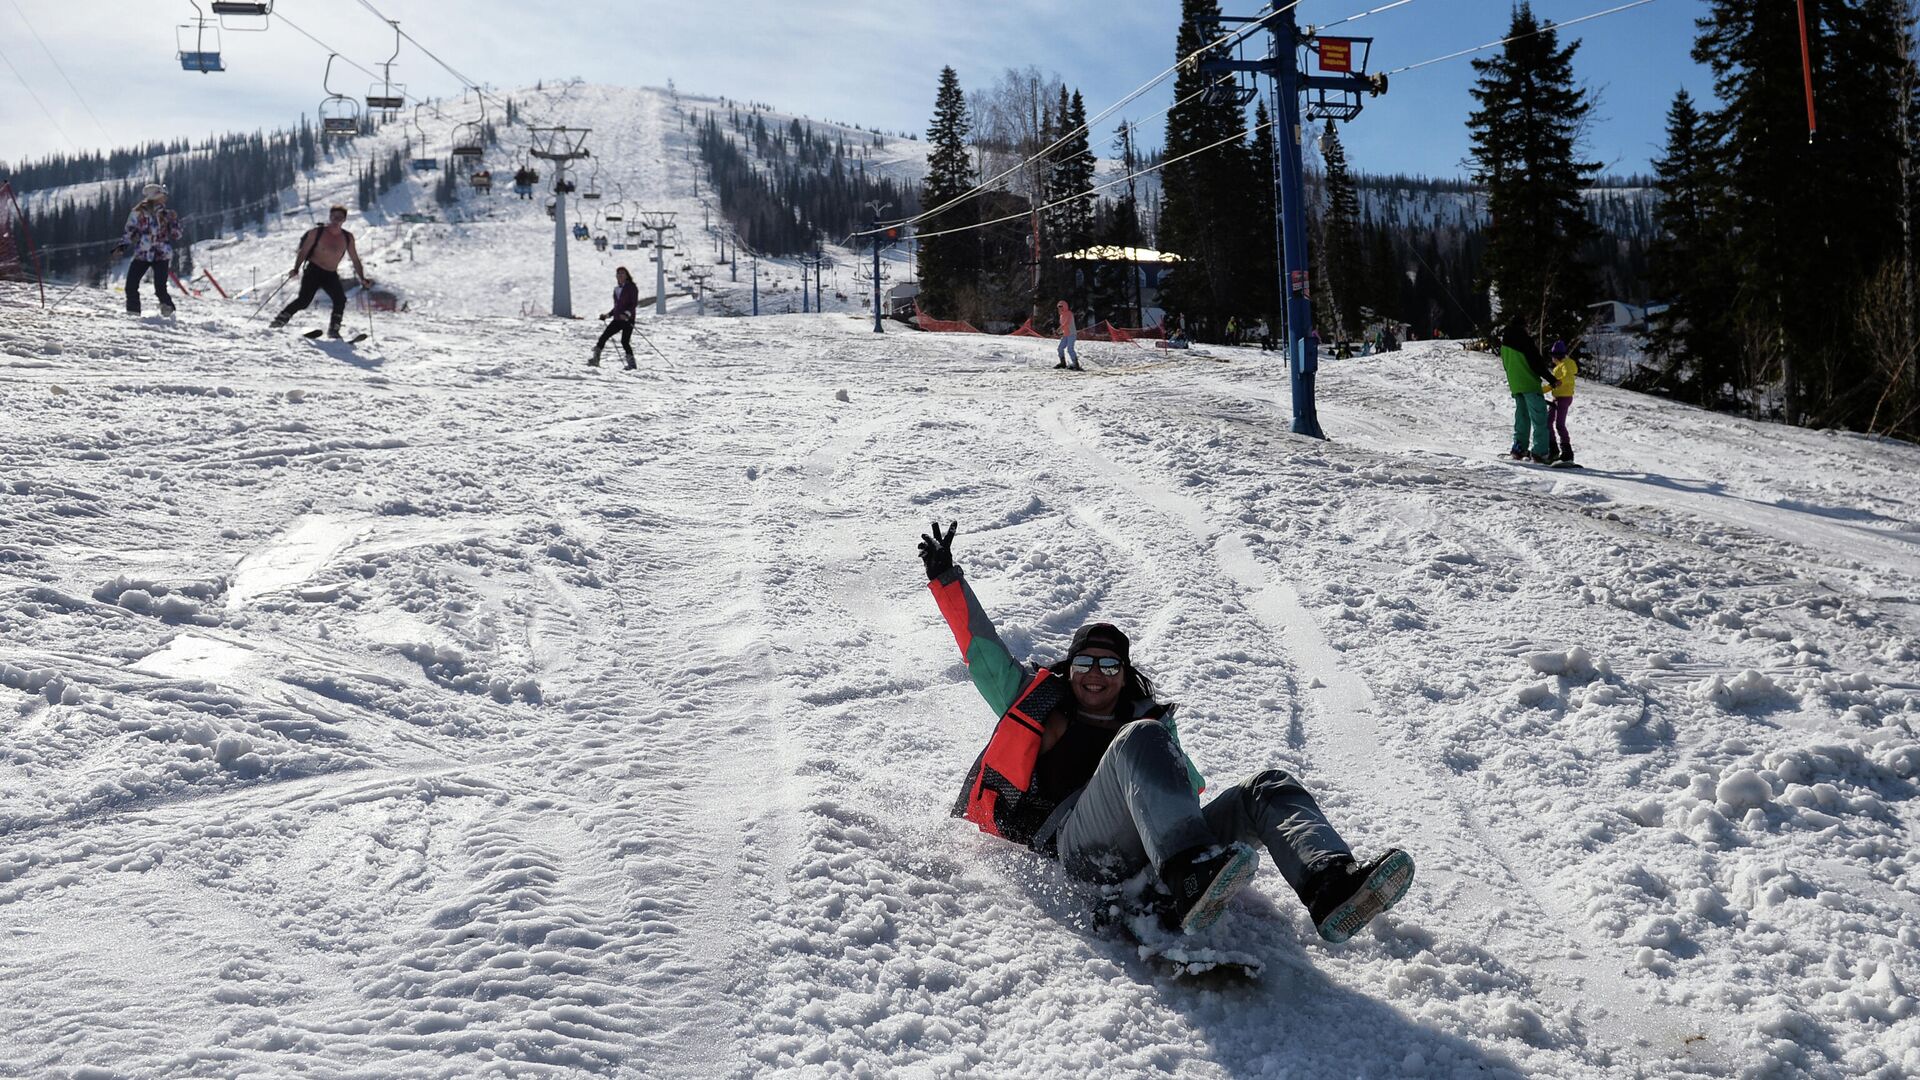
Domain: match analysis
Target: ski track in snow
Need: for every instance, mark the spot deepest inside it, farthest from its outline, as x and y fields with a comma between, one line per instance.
x=441, y=708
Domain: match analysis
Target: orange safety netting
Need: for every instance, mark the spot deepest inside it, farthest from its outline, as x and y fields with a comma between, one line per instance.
x=1131, y=333
x=1027, y=330
x=941, y=326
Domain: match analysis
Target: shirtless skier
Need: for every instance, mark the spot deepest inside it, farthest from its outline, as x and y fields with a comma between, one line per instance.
x=320, y=253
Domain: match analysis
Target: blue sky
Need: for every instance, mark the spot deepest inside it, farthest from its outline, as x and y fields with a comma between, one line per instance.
x=872, y=64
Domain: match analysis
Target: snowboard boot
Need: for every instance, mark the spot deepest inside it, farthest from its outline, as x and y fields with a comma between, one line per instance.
x=1202, y=880
x=1518, y=453
x=1076, y=367
x=594, y=360
x=166, y=310
x=630, y=364
x=1540, y=459
x=1061, y=365
x=1344, y=896
x=1566, y=455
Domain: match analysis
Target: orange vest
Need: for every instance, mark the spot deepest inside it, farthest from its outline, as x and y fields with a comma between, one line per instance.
x=998, y=795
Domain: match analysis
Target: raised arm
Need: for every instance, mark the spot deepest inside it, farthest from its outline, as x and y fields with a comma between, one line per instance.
x=994, y=671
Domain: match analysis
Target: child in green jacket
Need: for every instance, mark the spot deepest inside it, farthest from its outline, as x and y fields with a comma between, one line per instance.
x=1526, y=372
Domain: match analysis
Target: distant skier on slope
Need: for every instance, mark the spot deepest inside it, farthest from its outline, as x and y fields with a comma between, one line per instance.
x=1526, y=374
x=152, y=227
x=1565, y=370
x=1086, y=766
x=626, y=301
x=1067, y=338
x=320, y=252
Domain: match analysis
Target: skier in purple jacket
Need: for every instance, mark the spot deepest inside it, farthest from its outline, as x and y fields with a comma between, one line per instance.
x=626, y=301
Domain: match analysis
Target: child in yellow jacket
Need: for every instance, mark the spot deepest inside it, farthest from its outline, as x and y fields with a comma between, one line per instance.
x=1565, y=368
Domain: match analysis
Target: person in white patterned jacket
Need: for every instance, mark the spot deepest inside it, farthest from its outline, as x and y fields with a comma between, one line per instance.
x=152, y=227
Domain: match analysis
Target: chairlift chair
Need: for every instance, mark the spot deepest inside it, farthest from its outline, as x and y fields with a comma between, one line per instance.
x=470, y=138
x=481, y=180
x=592, y=192
x=198, y=57
x=339, y=114
x=580, y=231
x=423, y=163
x=387, y=95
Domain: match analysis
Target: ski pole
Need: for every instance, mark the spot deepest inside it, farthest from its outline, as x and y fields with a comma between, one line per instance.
x=64, y=295
x=651, y=345
x=262, y=305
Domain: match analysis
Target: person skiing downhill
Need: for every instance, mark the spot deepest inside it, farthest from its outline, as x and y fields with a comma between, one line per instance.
x=320, y=252
x=152, y=227
x=1565, y=370
x=1526, y=374
x=1085, y=765
x=626, y=301
x=1067, y=337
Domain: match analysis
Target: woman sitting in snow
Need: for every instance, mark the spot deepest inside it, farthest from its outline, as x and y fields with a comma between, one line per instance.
x=1086, y=766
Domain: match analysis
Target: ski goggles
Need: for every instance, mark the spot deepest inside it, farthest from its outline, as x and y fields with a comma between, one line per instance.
x=1109, y=665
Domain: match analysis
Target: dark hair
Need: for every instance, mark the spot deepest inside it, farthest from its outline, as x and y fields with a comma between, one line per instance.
x=623, y=270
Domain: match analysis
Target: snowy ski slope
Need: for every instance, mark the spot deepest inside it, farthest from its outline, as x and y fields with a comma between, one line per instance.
x=443, y=708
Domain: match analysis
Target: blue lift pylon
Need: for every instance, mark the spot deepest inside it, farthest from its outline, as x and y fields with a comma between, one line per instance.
x=1338, y=96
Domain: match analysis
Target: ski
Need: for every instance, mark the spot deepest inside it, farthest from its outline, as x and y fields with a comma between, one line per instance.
x=1175, y=955
x=316, y=335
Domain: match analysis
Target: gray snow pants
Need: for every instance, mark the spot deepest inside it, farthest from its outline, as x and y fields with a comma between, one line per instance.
x=1139, y=810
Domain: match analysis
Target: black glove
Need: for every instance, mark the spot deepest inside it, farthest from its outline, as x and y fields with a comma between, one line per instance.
x=936, y=551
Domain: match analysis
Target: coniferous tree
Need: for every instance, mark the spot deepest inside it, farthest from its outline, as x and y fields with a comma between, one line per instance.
x=1070, y=224
x=950, y=264
x=1688, y=266
x=1342, y=237
x=1817, y=219
x=1525, y=135
x=1263, y=234
x=1206, y=197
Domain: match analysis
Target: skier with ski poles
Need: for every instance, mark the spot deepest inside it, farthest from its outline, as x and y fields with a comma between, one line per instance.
x=320, y=252
x=152, y=227
x=1085, y=766
x=626, y=301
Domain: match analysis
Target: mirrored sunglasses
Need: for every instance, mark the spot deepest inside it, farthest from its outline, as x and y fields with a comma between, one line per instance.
x=1108, y=665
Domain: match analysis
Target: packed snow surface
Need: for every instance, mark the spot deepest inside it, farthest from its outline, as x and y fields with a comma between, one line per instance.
x=441, y=707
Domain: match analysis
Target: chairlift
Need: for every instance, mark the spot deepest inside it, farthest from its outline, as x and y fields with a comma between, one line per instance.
x=387, y=95
x=339, y=114
x=580, y=231
x=199, y=57
x=1344, y=56
x=600, y=241
x=592, y=192
x=470, y=138
x=481, y=180
x=243, y=11
x=423, y=163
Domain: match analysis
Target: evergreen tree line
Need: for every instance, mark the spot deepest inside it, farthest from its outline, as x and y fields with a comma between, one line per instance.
x=1789, y=261
x=222, y=184
x=799, y=190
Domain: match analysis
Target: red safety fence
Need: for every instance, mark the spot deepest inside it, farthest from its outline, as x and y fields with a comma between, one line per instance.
x=16, y=242
x=1027, y=330
x=941, y=326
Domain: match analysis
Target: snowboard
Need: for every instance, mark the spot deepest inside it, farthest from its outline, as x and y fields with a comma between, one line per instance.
x=1509, y=459
x=316, y=335
x=1135, y=919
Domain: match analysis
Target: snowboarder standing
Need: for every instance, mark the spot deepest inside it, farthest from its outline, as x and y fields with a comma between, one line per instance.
x=152, y=227
x=1526, y=371
x=320, y=252
x=1067, y=337
x=1085, y=765
x=1565, y=369
x=626, y=301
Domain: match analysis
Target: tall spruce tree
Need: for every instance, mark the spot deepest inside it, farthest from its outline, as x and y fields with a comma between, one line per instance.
x=1343, y=259
x=1816, y=218
x=1203, y=208
x=1263, y=233
x=950, y=264
x=1525, y=137
x=1071, y=222
x=1689, y=271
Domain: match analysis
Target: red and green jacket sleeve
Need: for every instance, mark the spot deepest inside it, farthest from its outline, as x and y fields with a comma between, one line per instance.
x=994, y=671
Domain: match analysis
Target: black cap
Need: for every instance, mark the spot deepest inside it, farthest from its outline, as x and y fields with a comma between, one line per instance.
x=1101, y=635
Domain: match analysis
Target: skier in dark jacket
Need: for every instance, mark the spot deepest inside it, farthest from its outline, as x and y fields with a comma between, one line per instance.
x=626, y=301
x=1086, y=766
x=1527, y=378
